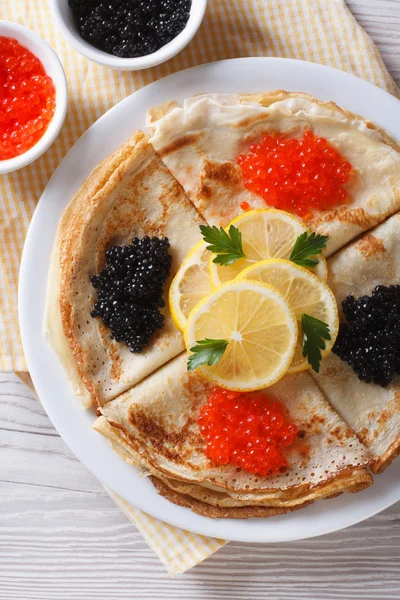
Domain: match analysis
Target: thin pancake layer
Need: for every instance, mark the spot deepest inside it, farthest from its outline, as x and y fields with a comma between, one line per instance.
x=130, y=194
x=350, y=481
x=200, y=141
x=371, y=411
x=53, y=327
x=157, y=422
x=217, y=512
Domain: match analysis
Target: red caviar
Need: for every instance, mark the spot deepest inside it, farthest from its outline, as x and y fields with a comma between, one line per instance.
x=248, y=430
x=245, y=205
x=296, y=175
x=27, y=99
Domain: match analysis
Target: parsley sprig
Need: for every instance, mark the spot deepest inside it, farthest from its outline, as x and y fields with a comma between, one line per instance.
x=314, y=333
x=206, y=352
x=305, y=246
x=227, y=245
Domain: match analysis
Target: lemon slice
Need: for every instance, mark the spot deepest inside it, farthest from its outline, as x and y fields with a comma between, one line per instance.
x=305, y=293
x=266, y=233
x=260, y=328
x=190, y=284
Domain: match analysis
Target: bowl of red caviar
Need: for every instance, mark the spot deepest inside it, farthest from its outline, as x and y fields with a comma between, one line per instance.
x=33, y=96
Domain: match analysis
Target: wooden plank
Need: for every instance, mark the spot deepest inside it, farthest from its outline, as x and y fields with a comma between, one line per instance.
x=381, y=20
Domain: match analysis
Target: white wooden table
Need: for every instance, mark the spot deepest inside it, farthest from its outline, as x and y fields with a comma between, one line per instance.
x=62, y=537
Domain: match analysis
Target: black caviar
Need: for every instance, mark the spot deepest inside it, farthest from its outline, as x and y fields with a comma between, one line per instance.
x=370, y=339
x=130, y=290
x=130, y=28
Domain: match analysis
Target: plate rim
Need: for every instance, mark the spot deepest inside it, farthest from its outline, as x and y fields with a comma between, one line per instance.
x=239, y=530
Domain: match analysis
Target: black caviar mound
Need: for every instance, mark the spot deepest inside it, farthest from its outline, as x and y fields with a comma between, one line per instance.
x=130, y=290
x=130, y=28
x=370, y=339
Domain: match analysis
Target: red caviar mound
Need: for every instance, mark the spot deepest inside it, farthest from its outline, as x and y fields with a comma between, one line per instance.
x=248, y=430
x=296, y=175
x=27, y=99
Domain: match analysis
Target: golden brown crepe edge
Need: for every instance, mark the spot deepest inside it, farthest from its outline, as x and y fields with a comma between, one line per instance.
x=216, y=512
x=381, y=463
x=352, y=482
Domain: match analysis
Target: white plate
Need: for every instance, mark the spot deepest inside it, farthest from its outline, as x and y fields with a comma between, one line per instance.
x=105, y=136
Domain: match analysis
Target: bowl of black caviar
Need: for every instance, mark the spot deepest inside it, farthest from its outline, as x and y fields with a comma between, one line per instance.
x=129, y=34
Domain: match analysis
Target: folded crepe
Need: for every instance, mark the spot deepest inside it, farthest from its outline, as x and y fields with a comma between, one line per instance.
x=372, y=412
x=153, y=426
x=129, y=194
x=200, y=141
x=169, y=488
x=219, y=512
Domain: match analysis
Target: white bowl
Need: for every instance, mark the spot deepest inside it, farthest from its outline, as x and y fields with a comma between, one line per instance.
x=55, y=70
x=65, y=21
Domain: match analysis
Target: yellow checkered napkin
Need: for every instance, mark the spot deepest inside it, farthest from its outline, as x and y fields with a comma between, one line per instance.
x=322, y=31
x=177, y=549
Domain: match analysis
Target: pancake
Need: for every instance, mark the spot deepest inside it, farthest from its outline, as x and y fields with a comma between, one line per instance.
x=154, y=426
x=200, y=141
x=218, y=512
x=351, y=481
x=129, y=194
x=243, y=512
x=371, y=411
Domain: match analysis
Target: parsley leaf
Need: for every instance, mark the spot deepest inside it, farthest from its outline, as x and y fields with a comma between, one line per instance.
x=306, y=245
x=227, y=245
x=206, y=352
x=314, y=333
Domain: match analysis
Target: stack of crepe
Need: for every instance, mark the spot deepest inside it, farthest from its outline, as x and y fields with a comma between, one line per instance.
x=185, y=175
